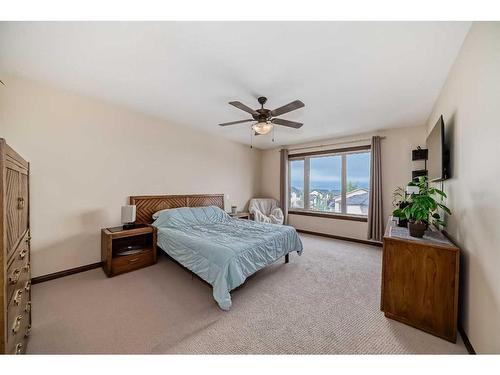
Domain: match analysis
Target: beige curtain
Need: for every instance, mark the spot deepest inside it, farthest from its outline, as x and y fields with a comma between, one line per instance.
x=375, y=213
x=284, y=183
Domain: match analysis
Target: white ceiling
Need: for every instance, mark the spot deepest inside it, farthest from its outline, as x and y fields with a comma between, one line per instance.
x=352, y=76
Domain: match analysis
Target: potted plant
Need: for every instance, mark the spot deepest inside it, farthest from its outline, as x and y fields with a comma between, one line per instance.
x=422, y=207
x=400, y=201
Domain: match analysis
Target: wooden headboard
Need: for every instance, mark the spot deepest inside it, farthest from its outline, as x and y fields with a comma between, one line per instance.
x=147, y=205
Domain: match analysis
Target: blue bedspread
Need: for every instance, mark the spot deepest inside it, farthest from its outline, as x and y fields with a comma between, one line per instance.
x=221, y=250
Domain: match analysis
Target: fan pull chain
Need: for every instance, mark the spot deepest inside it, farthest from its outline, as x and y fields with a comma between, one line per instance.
x=273, y=132
x=251, y=137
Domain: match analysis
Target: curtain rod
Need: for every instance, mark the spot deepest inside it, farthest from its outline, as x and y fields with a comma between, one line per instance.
x=331, y=144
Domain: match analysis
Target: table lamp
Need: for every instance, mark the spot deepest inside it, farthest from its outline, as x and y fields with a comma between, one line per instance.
x=128, y=216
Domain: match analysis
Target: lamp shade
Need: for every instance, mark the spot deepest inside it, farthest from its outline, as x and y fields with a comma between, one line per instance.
x=128, y=214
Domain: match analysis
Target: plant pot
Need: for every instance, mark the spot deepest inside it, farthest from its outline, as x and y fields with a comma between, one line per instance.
x=403, y=223
x=416, y=229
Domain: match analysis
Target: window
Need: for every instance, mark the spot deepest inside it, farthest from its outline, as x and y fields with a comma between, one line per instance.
x=358, y=183
x=325, y=183
x=297, y=184
x=335, y=182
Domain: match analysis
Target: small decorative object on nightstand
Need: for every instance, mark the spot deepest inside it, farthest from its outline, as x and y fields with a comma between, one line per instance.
x=127, y=250
x=234, y=210
x=240, y=215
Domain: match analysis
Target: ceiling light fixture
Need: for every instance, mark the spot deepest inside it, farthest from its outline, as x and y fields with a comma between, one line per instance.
x=262, y=127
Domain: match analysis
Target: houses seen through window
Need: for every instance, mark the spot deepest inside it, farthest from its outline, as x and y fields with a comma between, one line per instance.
x=336, y=182
x=325, y=183
x=358, y=183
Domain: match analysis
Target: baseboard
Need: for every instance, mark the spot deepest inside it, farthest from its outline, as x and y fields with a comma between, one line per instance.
x=334, y=236
x=72, y=271
x=466, y=341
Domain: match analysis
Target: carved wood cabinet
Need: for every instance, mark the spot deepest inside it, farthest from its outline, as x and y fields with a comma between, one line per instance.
x=15, y=275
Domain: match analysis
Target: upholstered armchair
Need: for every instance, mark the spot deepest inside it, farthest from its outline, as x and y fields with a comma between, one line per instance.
x=266, y=210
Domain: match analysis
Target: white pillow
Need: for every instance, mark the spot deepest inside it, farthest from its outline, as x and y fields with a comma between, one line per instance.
x=156, y=215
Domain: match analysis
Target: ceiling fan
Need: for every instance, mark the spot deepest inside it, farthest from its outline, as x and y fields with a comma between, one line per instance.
x=266, y=118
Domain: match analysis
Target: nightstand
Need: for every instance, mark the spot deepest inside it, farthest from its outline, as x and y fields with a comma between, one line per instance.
x=127, y=250
x=240, y=215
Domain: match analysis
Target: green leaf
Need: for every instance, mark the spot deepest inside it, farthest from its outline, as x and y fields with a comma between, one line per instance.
x=439, y=223
x=397, y=213
x=441, y=193
x=445, y=209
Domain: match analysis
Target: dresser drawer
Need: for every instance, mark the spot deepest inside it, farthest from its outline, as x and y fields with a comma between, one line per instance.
x=18, y=322
x=18, y=276
x=19, y=347
x=131, y=262
x=20, y=297
x=21, y=251
x=18, y=344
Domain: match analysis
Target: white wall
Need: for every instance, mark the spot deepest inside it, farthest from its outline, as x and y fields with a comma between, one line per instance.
x=88, y=156
x=396, y=171
x=470, y=105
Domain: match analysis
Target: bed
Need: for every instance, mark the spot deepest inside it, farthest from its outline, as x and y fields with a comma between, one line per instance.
x=198, y=234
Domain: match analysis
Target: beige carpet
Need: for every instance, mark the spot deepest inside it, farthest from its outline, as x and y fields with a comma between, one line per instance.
x=326, y=301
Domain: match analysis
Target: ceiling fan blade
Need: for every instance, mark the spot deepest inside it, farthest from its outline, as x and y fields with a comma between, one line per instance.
x=245, y=108
x=290, y=124
x=287, y=108
x=236, y=122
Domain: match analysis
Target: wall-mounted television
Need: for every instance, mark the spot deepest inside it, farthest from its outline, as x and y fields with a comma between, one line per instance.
x=437, y=162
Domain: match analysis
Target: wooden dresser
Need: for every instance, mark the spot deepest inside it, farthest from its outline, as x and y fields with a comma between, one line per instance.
x=420, y=281
x=15, y=280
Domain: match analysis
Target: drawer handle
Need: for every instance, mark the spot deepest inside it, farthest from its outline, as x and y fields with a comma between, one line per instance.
x=28, y=331
x=27, y=286
x=28, y=307
x=134, y=260
x=28, y=239
x=20, y=203
x=17, y=298
x=14, y=277
x=17, y=324
x=26, y=268
x=19, y=349
x=23, y=253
